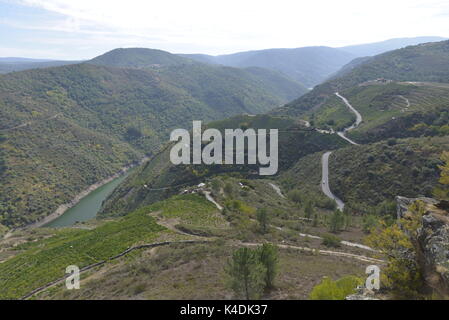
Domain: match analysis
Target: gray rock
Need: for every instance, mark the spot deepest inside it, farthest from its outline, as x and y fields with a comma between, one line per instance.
x=431, y=243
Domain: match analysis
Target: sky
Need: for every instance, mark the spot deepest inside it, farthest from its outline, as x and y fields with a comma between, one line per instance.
x=83, y=29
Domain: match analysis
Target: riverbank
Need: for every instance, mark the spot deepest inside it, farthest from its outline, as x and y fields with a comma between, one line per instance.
x=64, y=207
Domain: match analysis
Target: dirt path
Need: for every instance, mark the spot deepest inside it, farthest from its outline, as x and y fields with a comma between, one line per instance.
x=211, y=199
x=407, y=101
x=277, y=189
x=25, y=124
x=324, y=252
x=89, y=267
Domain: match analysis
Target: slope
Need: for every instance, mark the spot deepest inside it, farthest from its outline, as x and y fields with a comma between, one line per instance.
x=69, y=127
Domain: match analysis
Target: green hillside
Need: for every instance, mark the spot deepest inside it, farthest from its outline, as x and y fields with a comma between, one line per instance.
x=149, y=182
x=139, y=58
x=396, y=109
x=69, y=127
x=423, y=63
x=308, y=65
x=367, y=175
x=37, y=265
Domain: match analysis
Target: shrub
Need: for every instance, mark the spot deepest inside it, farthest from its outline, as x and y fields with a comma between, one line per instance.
x=335, y=290
x=331, y=241
x=295, y=196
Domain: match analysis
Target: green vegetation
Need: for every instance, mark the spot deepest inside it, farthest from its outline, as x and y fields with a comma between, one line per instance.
x=337, y=221
x=139, y=58
x=378, y=172
x=402, y=274
x=425, y=63
x=335, y=290
x=69, y=127
x=368, y=177
x=295, y=142
x=331, y=241
x=191, y=213
x=263, y=219
x=268, y=256
x=252, y=271
x=245, y=273
x=390, y=110
x=46, y=260
x=308, y=65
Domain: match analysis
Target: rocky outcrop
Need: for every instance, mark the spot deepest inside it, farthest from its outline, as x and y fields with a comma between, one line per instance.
x=431, y=242
x=363, y=294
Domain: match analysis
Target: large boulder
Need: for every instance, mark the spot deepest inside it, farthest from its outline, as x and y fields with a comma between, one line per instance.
x=431, y=242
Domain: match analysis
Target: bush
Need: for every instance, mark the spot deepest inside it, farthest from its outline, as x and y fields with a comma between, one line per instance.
x=337, y=221
x=335, y=290
x=391, y=142
x=295, y=196
x=331, y=241
x=369, y=223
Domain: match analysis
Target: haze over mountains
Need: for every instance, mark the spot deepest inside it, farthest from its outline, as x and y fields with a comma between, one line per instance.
x=424, y=62
x=309, y=65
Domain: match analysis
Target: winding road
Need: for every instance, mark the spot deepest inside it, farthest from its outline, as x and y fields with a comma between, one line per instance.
x=357, y=122
x=325, y=181
x=325, y=158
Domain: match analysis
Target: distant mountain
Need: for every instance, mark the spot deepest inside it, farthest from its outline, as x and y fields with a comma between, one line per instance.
x=309, y=65
x=63, y=129
x=372, y=49
x=20, y=64
x=190, y=72
x=139, y=58
x=22, y=60
x=425, y=62
x=348, y=67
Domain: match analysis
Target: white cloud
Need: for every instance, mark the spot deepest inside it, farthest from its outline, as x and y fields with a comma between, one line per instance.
x=232, y=25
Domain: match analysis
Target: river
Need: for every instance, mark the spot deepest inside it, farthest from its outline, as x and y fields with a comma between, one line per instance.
x=88, y=207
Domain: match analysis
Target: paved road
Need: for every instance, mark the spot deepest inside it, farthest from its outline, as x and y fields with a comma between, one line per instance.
x=357, y=122
x=325, y=181
x=325, y=159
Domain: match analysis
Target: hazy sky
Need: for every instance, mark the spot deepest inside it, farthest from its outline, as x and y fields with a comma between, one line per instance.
x=81, y=29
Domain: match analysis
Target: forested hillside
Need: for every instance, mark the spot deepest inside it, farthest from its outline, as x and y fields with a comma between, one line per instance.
x=159, y=179
x=309, y=65
x=69, y=127
x=422, y=63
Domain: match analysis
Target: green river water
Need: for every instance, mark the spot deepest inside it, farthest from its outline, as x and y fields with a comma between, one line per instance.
x=88, y=207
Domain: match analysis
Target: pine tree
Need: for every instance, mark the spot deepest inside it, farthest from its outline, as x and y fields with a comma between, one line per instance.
x=246, y=273
x=263, y=219
x=268, y=255
x=336, y=221
x=315, y=220
x=308, y=210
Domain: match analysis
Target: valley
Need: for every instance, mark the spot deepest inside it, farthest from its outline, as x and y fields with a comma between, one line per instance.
x=371, y=135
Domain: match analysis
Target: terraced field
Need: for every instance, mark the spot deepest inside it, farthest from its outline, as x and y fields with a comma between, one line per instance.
x=44, y=261
x=381, y=103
